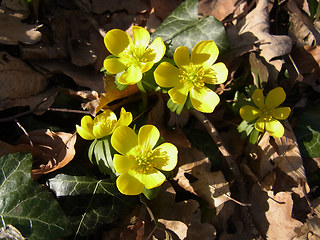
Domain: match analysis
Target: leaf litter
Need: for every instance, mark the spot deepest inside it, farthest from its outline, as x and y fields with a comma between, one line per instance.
x=53, y=58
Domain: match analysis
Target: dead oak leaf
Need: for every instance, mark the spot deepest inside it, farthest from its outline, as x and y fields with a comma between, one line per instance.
x=211, y=186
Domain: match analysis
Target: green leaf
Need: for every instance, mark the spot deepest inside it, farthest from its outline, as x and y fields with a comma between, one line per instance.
x=307, y=131
x=181, y=27
x=25, y=204
x=88, y=202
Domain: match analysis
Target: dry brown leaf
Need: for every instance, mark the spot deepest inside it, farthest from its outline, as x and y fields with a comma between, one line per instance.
x=273, y=214
x=309, y=230
x=18, y=80
x=220, y=9
x=50, y=150
x=211, y=186
x=17, y=5
x=163, y=8
x=183, y=218
x=132, y=6
x=13, y=31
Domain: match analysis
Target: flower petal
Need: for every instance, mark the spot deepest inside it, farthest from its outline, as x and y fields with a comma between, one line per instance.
x=148, y=136
x=146, y=66
x=129, y=185
x=152, y=179
x=275, y=97
x=122, y=163
x=85, y=130
x=274, y=128
x=117, y=41
x=258, y=98
x=141, y=36
x=179, y=94
x=104, y=123
x=249, y=113
x=124, y=139
x=159, y=49
x=219, y=74
x=166, y=75
x=181, y=56
x=260, y=125
x=114, y=65
x=280, y=113
x=125, y=118
x=204, y=53
x=131, y=76
x=165, y=157
x=204, y=99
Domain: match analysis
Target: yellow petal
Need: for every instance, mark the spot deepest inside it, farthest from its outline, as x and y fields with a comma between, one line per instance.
x=147, y=66
x=204, y=53
x=114, y=65
x=122, y=163
x=181, y=56
x=85, y=130
x=258, y=98
x=260, y=125
x=219, y=74
x=129, y=185
x=125, y=118
x=166, y=75
x=141, y=36
x=117, y=41
x=152, y=179
x=148, y=136
x=104, y=123
x=131, y=76
x=159, y=49
x=165, y=157
x=280, y=113
x=204, y=99
x=249, y=113
x=275, y=97
x=179, y=94
x=124, y=139
x=274, y=128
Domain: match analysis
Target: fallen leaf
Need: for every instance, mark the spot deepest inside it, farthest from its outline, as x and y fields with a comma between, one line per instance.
x=163, y=8
x=220, y=9
x=309, y=230
x=18, y=80
x=13, y=31
x=211, y=186
x=132, y=6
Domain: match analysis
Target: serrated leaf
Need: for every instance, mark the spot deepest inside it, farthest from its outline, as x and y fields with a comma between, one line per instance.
x=181, y=27
x=89, y=202
x=307, y=131
x=25, y=204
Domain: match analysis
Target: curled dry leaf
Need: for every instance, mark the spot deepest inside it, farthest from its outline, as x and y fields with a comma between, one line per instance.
x=13, y=31
x=211, y=186
x=50, y=150
x=220, y=9
x=18, y=80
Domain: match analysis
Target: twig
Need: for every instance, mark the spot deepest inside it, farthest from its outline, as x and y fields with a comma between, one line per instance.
x=233, y=167
x=24, y=131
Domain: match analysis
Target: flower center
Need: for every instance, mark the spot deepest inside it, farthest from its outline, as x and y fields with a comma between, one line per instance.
x=144, y=161
x=192, y=75
x=137, y=56
x=264, y=113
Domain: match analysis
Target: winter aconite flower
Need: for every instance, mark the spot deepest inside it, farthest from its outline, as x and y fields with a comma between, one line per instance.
x=267, y=112
x=192, y=75
x=139, y=163
x=103, y=124
x=132, y=58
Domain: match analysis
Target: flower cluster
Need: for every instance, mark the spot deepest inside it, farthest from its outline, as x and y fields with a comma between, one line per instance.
x=140, y=164
x=190, y=79
x=267, y=113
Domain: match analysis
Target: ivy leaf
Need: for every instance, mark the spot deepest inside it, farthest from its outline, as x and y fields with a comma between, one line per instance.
x=89, y=202
x=307, y=131
x=181, y=27
x=25, y=204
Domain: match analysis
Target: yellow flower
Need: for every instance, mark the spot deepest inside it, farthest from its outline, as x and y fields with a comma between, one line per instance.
x=192, y=75
x=139, y=163
x=267, y=112
x=132, y=57
x=103, y=124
